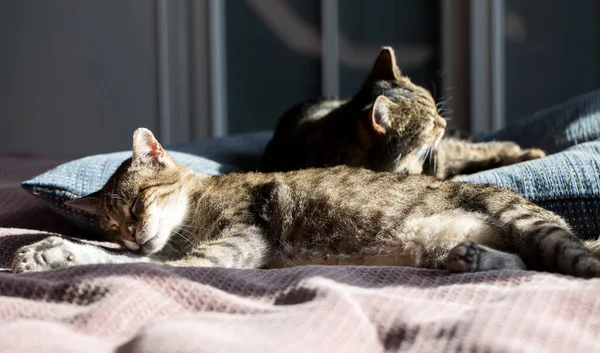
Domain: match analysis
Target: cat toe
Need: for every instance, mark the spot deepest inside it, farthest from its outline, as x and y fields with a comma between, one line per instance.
x=463, y=258
x=533, y=153
x=23, y=261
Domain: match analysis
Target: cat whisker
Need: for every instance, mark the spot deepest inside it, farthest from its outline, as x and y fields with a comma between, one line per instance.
x=397, y=159
x=186, y=226
x=170, y=246
x=429, y=153
x=442, y=71
x=422, y=153
x=448, y=115
x=187, y=230
x=184, y=238
x=448, y=97
x=444, y=111
x=434, y=89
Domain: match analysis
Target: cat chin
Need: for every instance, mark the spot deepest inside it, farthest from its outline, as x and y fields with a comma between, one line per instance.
x=412, y=163
x=152, y=246
x=157, y=236
x=131, y=245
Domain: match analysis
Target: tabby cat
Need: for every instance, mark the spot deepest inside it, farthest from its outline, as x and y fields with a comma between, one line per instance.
x=391, y=125
x=166, y=213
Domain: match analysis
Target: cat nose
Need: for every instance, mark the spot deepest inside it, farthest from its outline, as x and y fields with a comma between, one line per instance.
x=130, y=234
x=442, y=122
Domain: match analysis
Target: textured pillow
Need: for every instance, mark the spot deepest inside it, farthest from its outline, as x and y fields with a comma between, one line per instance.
x=574, y=121
x=86, y=175
x=241, y=150
x=567, y=183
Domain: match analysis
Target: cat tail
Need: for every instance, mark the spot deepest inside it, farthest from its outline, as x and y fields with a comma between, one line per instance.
x=543, y=240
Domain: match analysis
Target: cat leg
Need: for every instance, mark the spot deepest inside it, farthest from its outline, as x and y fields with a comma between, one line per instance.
x=457, y=240
x=57, y=252
x=457, y=157
x=237, y=247
x=471, y=257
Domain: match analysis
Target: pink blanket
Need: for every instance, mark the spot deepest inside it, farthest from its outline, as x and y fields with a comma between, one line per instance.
x=150, y=308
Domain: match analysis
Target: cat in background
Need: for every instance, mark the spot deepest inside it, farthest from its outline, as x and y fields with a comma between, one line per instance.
x=165, y=213
x=390, y=125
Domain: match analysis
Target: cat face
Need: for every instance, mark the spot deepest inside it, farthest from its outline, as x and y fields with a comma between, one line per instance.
x=403, y=124
x=145, y=200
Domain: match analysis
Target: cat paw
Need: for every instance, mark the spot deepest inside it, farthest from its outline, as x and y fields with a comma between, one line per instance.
x=459, y=176
x=518, y=155
x=463, y=258
x=533, y=153
x=52, y=252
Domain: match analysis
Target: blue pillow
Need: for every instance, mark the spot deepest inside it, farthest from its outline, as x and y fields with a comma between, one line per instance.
x=86, y=175
x=569, y=123
x=567, y=183
x=243, y=150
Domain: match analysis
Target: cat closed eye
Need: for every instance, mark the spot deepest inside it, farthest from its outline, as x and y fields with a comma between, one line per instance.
x=132, y=212
x=134, y=209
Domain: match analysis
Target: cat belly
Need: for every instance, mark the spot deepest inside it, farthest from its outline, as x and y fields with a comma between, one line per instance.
x=420, y=242
x=383, y=258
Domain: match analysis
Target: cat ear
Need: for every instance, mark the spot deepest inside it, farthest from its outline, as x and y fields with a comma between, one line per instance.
x=87, y=203
x=380, y=115
x=385, y=67
x=147, y=149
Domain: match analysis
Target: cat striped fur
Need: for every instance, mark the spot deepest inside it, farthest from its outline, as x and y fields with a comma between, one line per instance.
x=166, y=213
x=391, y=124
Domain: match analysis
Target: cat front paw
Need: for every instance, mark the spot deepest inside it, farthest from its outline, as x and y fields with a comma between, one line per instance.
x=52, y=252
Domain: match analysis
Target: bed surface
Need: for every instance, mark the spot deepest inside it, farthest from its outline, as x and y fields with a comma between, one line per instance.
x=150, y=308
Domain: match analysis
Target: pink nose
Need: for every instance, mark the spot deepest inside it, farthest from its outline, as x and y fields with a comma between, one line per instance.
x=129, y=236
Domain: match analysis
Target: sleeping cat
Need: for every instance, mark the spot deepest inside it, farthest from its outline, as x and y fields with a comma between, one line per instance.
x=391, y=124
x=166, y=213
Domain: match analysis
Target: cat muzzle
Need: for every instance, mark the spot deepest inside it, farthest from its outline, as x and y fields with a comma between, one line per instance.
x=130, y=236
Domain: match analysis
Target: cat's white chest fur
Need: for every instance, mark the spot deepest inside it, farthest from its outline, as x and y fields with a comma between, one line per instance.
x=418, y=238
